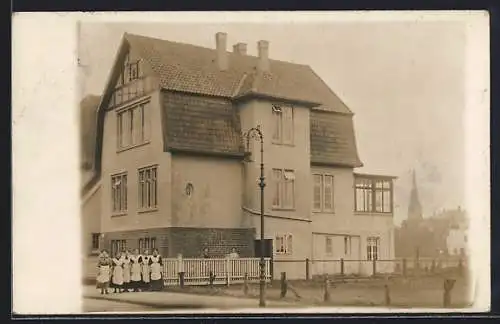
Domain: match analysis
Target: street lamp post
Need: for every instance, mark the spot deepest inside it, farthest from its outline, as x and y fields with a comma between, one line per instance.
x=256, y=134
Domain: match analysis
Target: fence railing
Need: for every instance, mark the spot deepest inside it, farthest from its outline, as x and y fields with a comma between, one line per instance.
x=309, y=268
x=194, y=271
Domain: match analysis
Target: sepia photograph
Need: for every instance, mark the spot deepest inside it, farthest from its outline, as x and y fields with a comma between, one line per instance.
x=289, y=163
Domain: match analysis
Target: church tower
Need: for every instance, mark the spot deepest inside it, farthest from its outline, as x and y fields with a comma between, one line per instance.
x=414, y=207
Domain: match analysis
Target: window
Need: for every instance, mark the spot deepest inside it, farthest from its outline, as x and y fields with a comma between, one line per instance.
x=95, y=241
x=283, y=188
x=133, y=126
x=118, y=246
x=119, y=193
x=323, y=192
x=283, y=244
x=148, y=187
x=147, y=243
x=283, y=124
x=133, y=71
x=372, y=248
x=328, y=245
x=373, y=195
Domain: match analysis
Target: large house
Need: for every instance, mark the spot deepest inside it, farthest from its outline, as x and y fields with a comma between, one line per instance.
x=172, y=169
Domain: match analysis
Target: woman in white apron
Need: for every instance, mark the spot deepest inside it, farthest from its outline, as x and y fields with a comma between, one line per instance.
x=117, y=279
x=126, y=270
x=146, y=279
x=156, y=265
x=135, y=271
x=103, y=272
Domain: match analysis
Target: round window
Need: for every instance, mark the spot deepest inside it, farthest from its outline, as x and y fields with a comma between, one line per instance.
x=189, y=189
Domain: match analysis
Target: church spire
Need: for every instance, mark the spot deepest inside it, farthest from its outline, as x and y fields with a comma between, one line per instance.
x=414, y=207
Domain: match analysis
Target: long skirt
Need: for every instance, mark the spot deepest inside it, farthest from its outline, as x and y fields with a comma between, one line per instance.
x=156, y=285
x=117, y=279
x=126, y=277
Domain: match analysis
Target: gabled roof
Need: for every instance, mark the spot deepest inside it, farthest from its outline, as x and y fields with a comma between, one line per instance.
x=193, y=69
x=212, y=125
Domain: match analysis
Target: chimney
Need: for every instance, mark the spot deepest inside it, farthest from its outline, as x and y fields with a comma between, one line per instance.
x=263, y=49
x=221, y=44
x=240, y=48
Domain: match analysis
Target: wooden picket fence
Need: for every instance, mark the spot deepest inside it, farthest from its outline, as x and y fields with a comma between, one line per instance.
x=225, y=271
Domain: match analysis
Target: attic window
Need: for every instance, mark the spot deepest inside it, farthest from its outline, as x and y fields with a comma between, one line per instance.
x=133, y=71
x=189, y=189
x=276, y=109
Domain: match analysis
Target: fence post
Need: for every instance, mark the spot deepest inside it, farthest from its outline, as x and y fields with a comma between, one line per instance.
x=181, y=279
x=448, y=286
x=245, y=284
x=326, y=296
x=284, y=287
x=387, y=295
x=374, y=267
x=404, y=267
x=342, y=271
x=211, y=279
x=228, y=271
x=307, y=269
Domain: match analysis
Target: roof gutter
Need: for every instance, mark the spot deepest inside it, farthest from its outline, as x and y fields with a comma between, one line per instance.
x=255, y=95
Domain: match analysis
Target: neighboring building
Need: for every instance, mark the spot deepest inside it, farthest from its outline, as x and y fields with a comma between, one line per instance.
x=176, y=174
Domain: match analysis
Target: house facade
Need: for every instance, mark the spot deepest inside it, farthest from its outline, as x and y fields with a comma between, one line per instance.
x=177, y=173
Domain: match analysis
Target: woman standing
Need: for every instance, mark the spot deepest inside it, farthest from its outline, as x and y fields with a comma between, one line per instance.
x=103, y=272
x=117, y=279
x=155, y=263
x=146, y=271
x=135, y=270
x=126, y=270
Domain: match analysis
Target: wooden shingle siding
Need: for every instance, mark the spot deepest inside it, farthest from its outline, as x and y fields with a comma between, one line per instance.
x=200, y=123
x=333, y=140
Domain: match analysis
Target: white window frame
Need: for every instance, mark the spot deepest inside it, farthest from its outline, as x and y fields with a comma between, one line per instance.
x=119, y=192
x=373, y=248
x=323, y=198
x=283, y=180
x=283, y=120
x=283, y=244
x=147, y=180
x=129, y=132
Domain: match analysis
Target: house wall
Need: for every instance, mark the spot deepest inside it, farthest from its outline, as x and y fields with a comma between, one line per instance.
x=345, y=222
x=216, y=198
x=130, y=160
x=90, y=218
x=455, y=241
x=296, y=157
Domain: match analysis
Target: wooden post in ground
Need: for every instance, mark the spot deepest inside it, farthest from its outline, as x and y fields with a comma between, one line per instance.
x=228, y=271
x=284, y=285
x=181, y=279
x=245, y=284
x=342, y=271
x=326, y=295
x=374, y=267
x=211, y=279
x=448, y=286
x=387, y=295
x=308, y=275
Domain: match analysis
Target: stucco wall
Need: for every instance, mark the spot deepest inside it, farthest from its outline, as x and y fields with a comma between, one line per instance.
x=90, y=218
x=130, y=161
x=216, y=198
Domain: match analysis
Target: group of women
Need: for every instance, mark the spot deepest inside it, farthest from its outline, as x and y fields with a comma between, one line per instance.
x=128, y=271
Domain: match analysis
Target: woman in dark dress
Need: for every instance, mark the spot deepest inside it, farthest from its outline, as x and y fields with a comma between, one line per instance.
x=156, y=267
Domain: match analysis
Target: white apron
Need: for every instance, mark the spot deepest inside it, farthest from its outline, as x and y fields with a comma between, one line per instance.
x=135, y=268
x=126, y=269
x=104, y=274
x=145, y=269
x=155, y=268
x=117, y=272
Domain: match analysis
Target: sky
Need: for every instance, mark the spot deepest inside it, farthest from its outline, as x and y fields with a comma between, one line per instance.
x=404, y=81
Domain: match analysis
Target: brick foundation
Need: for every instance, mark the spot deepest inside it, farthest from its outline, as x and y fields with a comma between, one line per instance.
x=190, y=241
